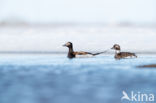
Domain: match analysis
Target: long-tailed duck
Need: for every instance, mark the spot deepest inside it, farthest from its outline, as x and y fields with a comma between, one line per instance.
x=119, y=55
x=72, y=54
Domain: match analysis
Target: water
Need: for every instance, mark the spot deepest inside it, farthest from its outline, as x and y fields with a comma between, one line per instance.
x=56, y=79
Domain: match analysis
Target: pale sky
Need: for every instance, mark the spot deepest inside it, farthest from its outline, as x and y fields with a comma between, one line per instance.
x=48, y=11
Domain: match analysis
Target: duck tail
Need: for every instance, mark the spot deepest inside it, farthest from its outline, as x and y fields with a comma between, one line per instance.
x=135, y=55
x=99, y=53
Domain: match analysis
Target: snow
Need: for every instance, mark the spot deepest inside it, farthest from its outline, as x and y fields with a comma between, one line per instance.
x=84, y=38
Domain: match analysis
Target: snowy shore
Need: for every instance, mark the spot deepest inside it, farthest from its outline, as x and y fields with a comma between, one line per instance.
x=87, y=38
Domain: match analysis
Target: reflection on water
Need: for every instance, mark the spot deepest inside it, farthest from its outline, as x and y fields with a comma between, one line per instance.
x=56, y=79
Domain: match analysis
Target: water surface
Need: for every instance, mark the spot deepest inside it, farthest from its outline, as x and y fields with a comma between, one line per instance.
x=57, y=79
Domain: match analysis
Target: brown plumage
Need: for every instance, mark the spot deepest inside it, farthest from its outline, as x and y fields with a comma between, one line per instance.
x=124, y=55
x=119, y=55
x=147, y=66
x=81, y=53
x=72, y=54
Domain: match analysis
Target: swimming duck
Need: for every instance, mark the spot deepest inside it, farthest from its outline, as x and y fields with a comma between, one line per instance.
x=119, y=55
x=72, y=54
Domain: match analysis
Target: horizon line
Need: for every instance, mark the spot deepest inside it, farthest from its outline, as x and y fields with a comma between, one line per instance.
x=63, y=52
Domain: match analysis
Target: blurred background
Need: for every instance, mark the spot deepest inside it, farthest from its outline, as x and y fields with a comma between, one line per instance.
x=93, y=25
x=43, y=26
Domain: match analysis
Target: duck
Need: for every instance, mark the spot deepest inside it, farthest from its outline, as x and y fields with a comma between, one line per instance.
x=120, y=55
x=74, y=54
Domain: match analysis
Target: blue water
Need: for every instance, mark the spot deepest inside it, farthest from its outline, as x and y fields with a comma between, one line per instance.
x=56, y=79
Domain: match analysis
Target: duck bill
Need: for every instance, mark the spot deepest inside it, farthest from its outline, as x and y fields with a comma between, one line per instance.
x=112, y=48
x=64, y=45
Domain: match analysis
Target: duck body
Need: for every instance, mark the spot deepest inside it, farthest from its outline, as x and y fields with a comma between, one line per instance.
x=120, y=55
x=124, y=55
x=71, y=55
x=81, y=54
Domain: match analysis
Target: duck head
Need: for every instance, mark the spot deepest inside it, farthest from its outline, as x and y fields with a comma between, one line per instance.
x=116, y=47
x=68, y=44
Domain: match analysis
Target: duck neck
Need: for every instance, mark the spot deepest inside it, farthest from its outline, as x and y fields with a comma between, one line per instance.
x=71, y=49
x=117, y=51
x=70, y=53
